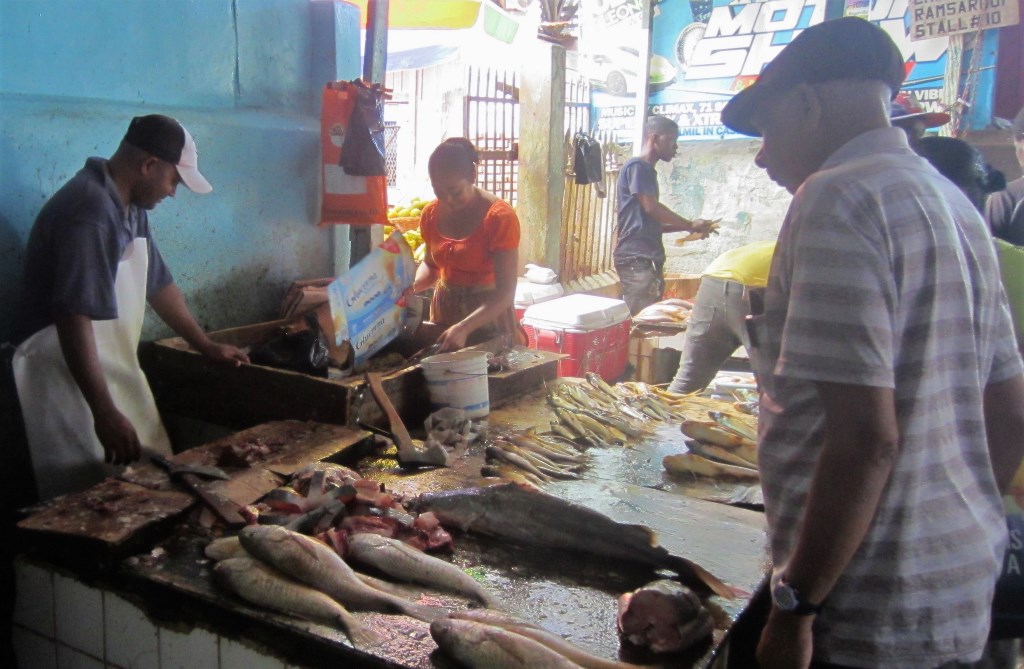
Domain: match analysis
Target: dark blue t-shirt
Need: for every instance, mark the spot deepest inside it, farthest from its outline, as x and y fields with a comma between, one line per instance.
x=637, y=235
x=73, y=251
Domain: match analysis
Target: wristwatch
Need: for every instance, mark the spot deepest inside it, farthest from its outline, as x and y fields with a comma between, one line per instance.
x=787, y=599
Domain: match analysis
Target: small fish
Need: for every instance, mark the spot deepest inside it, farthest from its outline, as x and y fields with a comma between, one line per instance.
x=261, y=585
x=475, y=644
x=713, y=452
x=405, y=563
x=733, y=425
x=690, y=463
x=497, y=452
x=511, y=473
x=316, y=564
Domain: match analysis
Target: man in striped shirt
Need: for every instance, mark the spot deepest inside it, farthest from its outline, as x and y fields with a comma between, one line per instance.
x=892, y=395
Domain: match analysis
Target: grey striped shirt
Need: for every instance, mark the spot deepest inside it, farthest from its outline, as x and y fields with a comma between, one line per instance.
x=886, y=276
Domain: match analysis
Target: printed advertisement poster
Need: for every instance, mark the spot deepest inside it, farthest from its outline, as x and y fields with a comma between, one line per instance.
x=716, y=48
x=608, y=57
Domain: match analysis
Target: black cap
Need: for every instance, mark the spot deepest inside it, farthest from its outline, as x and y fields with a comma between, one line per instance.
x=846, y=48
x=165, y=138
x=158, y=135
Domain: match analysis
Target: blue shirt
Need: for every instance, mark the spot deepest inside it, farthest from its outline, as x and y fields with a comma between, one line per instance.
x=73, y=251
x=637, y=235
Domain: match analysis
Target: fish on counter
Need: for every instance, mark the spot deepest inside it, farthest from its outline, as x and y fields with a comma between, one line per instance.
x=475, y=644
x=316, y=564
x=539, y=634
x=663, y=617
x=405, y=563
x=259, y=584
x=695, y=465
x=532, y=517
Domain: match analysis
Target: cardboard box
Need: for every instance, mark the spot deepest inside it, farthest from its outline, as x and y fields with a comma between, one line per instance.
x=655, y=357
x=681, y=286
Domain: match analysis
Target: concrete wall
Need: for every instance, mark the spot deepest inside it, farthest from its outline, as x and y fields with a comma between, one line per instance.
x=243, y=76
x=719, y=180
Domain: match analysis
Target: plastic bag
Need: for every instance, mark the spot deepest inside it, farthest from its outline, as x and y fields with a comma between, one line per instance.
x=303, y=350
x=588, y=165
x=362, y=153
x=347, y=198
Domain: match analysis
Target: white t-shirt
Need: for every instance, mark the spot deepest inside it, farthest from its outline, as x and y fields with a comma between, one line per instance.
x=885, y=275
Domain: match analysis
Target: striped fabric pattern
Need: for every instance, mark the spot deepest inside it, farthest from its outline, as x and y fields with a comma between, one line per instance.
x=886, y=276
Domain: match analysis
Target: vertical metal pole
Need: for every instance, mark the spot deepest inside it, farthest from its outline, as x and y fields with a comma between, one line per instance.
x=375, y=63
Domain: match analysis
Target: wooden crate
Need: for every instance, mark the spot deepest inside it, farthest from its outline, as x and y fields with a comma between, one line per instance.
x=188, y=385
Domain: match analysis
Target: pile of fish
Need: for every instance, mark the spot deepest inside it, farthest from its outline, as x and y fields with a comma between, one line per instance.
x=724, y=448
x=533, y=459
x=673, y=313
x=287, y=572
x=596, y=414
x=335, y=502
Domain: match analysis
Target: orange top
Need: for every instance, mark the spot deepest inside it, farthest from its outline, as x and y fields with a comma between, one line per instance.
x=470, y=261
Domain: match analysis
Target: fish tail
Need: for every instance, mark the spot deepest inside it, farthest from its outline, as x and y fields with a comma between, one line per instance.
x=427, y=614
x=361, y=636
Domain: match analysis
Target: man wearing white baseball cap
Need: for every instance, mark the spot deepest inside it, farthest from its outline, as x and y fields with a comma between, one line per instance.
x=90, y=267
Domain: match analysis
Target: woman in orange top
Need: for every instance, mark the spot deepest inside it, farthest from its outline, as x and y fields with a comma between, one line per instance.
x=472, y=253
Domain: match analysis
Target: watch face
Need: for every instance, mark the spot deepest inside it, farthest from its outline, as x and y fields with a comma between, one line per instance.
x=785, y=597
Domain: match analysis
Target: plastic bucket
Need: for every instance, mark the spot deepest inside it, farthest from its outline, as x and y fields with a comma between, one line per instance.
x=458, y=380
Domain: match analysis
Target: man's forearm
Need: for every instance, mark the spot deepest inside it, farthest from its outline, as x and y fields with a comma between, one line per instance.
x=856, y=461
x=1004, y=425
x=170, y=305
x=670, y=220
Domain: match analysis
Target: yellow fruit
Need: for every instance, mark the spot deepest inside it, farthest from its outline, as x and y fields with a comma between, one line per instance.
x=415, y=211
x=391, y=213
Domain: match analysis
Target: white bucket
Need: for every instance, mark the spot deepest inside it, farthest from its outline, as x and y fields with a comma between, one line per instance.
x=458, y=380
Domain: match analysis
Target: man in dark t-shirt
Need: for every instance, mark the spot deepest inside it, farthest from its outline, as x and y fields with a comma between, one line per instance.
x=1004, y=210
x=639, y=253
x=91, y=267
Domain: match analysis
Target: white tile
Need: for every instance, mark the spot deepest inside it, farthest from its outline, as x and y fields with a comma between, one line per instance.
x=234, y=655
x=78, y=615
x=32, y=650
x=131, y=638
x=68, y=658
x=33, y=597
x=195, y=650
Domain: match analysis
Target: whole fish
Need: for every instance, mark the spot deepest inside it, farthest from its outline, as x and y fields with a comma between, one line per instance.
x=405, y=563
x=261, y=585
x=542, y=636
x=536, y=518
x=474, y=644
x=316, y=564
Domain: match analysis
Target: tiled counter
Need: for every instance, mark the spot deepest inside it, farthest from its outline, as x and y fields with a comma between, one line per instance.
x=62, y=623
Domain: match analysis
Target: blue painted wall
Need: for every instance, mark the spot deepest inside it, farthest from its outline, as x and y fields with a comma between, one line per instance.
x=244, y=76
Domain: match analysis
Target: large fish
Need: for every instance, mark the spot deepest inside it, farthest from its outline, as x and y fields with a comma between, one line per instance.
x=536, y=518
x=316, y=564
x=261, y=585
x=405, y=563
x=478, y=646
x=542, y=636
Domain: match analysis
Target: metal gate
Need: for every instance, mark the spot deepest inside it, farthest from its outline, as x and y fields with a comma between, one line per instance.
x=491, y=122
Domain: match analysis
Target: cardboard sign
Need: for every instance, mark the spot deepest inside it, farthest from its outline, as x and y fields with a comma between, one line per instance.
x=942, y=18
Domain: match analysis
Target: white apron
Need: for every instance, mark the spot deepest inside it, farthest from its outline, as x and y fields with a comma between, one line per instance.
x=66, y=454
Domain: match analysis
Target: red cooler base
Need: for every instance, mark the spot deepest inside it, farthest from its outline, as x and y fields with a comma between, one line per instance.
x=604, y=351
